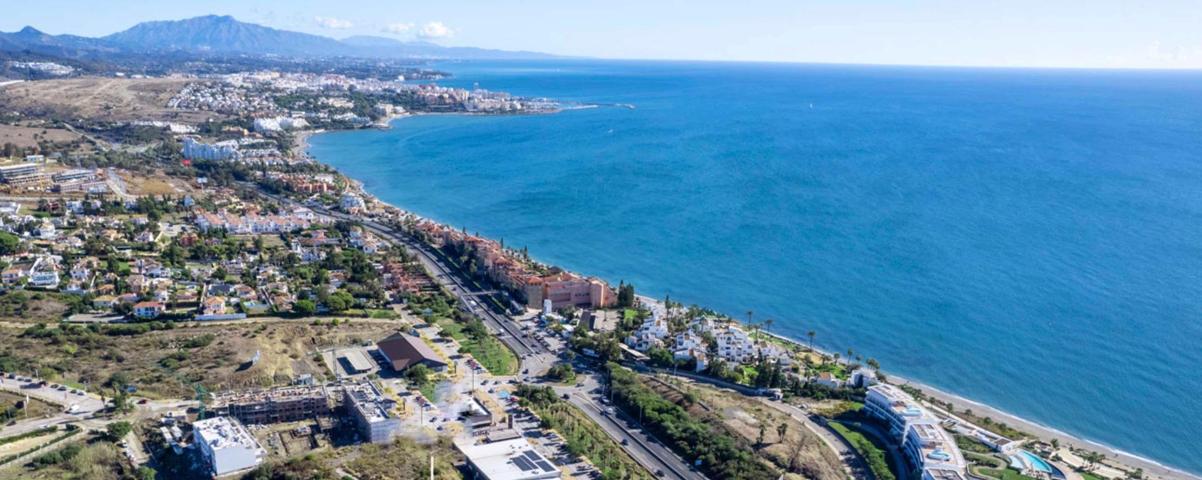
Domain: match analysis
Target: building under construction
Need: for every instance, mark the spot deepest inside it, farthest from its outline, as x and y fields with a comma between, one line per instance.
x=283, y=404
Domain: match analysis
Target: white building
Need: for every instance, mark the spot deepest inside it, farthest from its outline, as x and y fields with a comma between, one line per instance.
x=195, y=150
x=650, y=335
x=927, y=446
x=350, y=201
x=372, y=412
x=226, y=445
x=507, y=460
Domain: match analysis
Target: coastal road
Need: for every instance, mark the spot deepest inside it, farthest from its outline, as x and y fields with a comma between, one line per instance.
x=651, y=454
x=532, y=354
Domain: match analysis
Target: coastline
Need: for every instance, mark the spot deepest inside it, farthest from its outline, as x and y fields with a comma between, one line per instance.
x=1042, y=432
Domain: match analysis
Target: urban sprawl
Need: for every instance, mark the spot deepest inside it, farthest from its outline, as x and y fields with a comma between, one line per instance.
x=187, y=295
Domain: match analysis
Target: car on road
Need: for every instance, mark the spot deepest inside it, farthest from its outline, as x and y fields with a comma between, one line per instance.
x=625, y=442
x=659, y=472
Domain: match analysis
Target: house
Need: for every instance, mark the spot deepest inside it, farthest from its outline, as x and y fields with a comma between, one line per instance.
x=826, y=379
x=402, y=351
x=44, y=279
x=148, y=309
x=213, y=306
x=650, y=335
x=104, y=302
x=136, y=283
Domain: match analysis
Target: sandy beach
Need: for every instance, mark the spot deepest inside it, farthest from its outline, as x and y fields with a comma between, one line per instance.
x=1151, y=467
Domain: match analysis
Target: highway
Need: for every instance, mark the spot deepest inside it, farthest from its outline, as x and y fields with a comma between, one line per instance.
x=532, y=355
x=652, y=455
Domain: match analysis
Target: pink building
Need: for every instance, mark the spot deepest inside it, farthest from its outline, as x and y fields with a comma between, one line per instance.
x=567, y=290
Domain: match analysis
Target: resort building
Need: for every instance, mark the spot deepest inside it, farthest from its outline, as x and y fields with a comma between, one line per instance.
x=196, y=150
x=507, y=460
x=372, y=412
x=568, y=290
x=226, y=445
x=927, y=446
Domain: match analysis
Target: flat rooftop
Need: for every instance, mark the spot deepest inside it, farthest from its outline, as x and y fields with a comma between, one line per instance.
x=510, y=459
x=224, y=432
x=370, y=403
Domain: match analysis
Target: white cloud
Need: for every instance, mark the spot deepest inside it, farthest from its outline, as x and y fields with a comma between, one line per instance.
x=333, y=23
x=398, y=28
x=435, y=30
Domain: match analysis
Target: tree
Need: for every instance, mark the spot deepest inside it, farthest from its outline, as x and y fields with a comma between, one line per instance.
x=118, y=430
x=625, y=295
x=418, y=374
x=763, y=428
x=781, y=430
x=9, y=243
x=340, y=301
x=811, y=334
x=146, y=473
x=304, y=307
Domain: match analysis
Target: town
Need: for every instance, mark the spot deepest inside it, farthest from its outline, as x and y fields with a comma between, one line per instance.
x=186, y=294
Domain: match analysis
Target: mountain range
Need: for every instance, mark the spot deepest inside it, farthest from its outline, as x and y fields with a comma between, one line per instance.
x=224, y=35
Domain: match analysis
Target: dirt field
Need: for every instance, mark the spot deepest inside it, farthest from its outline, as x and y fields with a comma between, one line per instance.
x=168, y=363
x=800, y=452
x=118, y=99
x=30, y=136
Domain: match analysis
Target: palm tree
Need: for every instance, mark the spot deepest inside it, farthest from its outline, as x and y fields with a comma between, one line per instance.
x=811, y=334
x=768, y=325
x=780, y=431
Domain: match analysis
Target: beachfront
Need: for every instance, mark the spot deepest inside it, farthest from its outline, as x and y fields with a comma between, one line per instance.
x=1027, y=426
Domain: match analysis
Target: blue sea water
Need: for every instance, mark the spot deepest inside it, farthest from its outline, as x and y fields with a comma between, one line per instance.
x=1030, y=239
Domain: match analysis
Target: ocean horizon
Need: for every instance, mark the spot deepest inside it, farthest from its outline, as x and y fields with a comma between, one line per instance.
x=1024, y=238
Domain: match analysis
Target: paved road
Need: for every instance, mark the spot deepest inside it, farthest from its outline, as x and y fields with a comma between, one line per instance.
x=532, y=354
x=85, y=406
x=652, y=455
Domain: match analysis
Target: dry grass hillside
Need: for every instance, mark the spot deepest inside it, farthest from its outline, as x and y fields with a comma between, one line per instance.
x=120, y=99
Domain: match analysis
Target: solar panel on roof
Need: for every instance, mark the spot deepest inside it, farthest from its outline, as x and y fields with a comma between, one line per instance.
x=532, y=455
x=523, y=464
x=546, y=466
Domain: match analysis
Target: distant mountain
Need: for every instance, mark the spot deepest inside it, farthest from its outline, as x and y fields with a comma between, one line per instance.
x=32, y=40
x=224, y=35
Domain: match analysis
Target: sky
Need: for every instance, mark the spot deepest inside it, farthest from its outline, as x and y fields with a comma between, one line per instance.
x=1021, y=33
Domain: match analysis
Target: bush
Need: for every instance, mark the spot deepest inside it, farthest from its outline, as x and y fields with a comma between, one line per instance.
x=118, y=430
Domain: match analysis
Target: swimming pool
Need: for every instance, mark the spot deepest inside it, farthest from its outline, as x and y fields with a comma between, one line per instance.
x=1035, y=462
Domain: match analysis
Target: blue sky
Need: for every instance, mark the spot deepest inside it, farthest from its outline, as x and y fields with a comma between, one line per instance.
x=1082, y=33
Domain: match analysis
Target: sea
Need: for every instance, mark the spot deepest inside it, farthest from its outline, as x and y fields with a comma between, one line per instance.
x=1026, y=238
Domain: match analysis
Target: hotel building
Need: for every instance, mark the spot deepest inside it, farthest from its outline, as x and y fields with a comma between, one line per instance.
x=927, y=446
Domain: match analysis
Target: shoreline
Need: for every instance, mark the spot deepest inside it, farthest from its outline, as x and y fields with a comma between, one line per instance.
x=1040, y=431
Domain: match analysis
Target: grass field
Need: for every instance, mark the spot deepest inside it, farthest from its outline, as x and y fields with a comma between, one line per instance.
x=493, y=355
